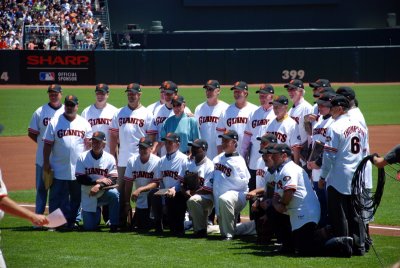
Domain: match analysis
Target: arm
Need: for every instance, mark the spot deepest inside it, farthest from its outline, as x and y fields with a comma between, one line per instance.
x=280, y=204
x=33, y=136
x=256, y=192
x=145, y=188
x=9, y=206
x=113, y=141
x=46, y=156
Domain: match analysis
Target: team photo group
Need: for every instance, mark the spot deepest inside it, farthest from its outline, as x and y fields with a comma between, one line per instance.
x=166, y=167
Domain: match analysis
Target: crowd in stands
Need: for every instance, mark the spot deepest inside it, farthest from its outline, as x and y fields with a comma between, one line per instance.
x=50, y=24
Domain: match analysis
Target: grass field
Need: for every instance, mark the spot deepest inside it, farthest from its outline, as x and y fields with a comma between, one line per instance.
x=23, y=247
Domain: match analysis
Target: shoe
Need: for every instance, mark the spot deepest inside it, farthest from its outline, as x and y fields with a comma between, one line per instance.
x=113, y=229
x=340, y=246
x=200, y=234
x=51, y=229
x=227, y=238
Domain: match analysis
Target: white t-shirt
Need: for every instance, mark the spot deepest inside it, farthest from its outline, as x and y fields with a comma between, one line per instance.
x=304, y=206
x=207, y=118
x=205, y=170
x=105, y=166
x=100, y=120
x=142, y=174
x=131, y=125
x=68, y=141
x=39, y=121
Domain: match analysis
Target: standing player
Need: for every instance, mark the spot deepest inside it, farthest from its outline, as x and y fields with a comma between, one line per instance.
x=284, y=127
x=129, y=124
x=100, y=114
x=142, y=169
x=346, y=145
x=66, y=137
x=207, y=115
x=237, y=115
x=230, y=184
x=259, y=118
x=40, y=119
x=317, y=86
x=96, y=169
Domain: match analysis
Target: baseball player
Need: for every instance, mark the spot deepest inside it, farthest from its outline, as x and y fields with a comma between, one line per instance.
x=317, y=86
x=200, y=203
x=96, y=169
x=100, y=114
x=128, y=125
x=208, y=114
x=37, y=126
x=237, y=115
x=301, y=107
x=180, y=124
x=283, y=127
x=172, y=168
x=345, y=147
x=66, y=137
x=170, y=90
x=141, y=170
x=230, y=184
x=259, y=118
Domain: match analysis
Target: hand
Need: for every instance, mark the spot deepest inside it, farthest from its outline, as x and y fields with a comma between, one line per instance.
x=250, y=195
x=135, y=195
x=265, y=204
x=321, y=184
x=171, y=192
x=106, y=181
x=254, y=206
x=312, y=165
x=39, y=220
x=95, y=189
x=310, y=118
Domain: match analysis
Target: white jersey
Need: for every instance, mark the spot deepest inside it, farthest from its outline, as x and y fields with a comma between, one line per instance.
x=319, y=134
x=297, y=113
x=259, y=118
x=172, y=169
x=205, y=170
x=345, y=147
x=100, y=120
x=230, y=174
x=131, y=125
x=105, y=166
x=153, y=107
x=304, y=206
x=263, y=176
x=235, y=119
x=68, y=140
x=39, y=121
x=315, y=109
x=285, y=130
x=142, y=174
x=207, y=118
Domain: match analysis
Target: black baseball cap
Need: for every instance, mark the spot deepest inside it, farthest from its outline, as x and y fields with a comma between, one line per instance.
x=199, y=143
x=280, y=149
x=169, y=87
x=266, y=149
x=172, y=137
x=230, y=134
x=71, y=99
x=325, y=99
x=240, y=85
x=340, y=100
x=145, y=142
x=100, y=136
x=213, y=84
x=133, y=87
x=54, y=88
x=348, y=92
x=266, y=89
x=320, y=83
x=282, y=100
x=269, y=137
x=324, y=90
x=178, y=99
x=294, y=84
x=102, y=88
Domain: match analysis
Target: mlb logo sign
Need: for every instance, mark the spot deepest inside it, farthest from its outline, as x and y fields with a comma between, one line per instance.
x=47, y=76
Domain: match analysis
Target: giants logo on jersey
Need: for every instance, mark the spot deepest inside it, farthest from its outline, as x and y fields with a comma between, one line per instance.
x=46, y=121
x=70, y=132
x=208, y=119
x=262, y=122
x=142, y=174
x=280, y=136
x=260, y=172
x=131, y=120
x=159, y=120
x=297, y=119
x=236, y=120
x=99, y=121
x=226, y=170
x=97, y=171
x=320, y=131
x=170, y=173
